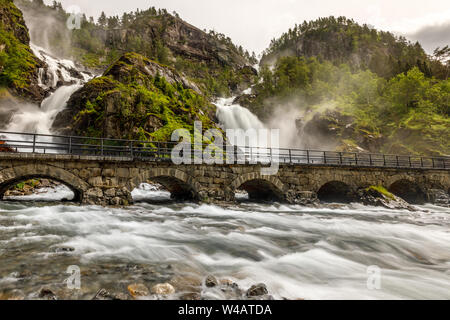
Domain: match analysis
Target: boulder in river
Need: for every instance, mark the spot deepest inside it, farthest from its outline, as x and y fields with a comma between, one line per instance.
x=47, y=294
x=257, y=290
x=211, y=281
x=379, y=196
x=163, y=289
x=138, y=290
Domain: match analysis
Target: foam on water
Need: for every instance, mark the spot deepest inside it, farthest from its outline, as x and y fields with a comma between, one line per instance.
x=298, y=252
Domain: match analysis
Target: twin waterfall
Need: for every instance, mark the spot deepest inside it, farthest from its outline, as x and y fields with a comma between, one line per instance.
x=62, y=79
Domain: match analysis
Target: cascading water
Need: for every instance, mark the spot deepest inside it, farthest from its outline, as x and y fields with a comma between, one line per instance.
x=62, y=79
x=31, y=118
x=234, y=116
x=57, y=70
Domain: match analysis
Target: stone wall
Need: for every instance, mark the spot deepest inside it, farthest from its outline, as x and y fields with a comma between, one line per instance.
x=109, y=181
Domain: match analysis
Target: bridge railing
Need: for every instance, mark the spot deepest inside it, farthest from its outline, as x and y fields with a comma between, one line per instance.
x=161, y=151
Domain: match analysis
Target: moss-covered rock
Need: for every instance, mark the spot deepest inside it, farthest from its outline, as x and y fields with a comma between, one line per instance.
x=136, y=98
x=18, y=65
x=379, y=196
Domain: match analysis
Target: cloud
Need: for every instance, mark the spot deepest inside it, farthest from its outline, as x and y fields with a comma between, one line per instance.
x=432, y=36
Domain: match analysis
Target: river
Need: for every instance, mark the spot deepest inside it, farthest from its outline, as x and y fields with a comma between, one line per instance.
x=298, y=252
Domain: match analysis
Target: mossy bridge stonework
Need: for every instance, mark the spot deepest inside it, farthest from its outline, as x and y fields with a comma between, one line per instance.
x=110, y=180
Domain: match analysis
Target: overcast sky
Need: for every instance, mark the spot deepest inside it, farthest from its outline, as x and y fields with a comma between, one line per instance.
x=253, y=23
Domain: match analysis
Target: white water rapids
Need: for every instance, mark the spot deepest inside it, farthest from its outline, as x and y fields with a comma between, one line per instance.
x=298, y=252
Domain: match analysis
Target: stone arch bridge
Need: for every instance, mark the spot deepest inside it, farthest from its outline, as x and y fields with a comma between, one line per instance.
x=110, y=180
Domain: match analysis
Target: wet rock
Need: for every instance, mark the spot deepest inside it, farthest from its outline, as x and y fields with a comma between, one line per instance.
x=138, y=290
x=47, y=294
x=230, y=289
x=439, y=197
x=63, y=249
x=257, y=290
x=163, y=289
x=192, y=296
x=378, y=196
x=211, y=281
x=14, y=295
x=302, y=197
x=186, y=283
x=103, y=294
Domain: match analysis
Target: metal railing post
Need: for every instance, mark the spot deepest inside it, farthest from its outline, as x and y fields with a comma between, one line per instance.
x=307, y=157
x=325, y=157
x=398, y=163
x=102, y=147
x=70, y=145
x=131, y=149
x=340, y=159
x=34, y=143
x=370, y=160
x=290, y=156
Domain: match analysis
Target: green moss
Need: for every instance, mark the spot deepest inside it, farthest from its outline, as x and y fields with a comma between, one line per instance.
x=143, y=107
x=16, y=60
x=382, y=190
x=29, y=184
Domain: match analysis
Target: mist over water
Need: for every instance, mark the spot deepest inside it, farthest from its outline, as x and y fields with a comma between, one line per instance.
x=31, y=118
x=234, y=116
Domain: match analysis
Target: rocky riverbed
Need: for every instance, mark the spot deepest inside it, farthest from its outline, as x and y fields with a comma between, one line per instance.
x=242, y=251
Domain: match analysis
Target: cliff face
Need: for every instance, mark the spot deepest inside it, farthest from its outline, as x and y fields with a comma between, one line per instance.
x=18, y=65
x=136, y=98
x=181, y=38
x=341, y=40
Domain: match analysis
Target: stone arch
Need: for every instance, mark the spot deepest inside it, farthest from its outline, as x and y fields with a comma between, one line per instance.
x=336, y=191
x=408, y=190
x=11, y=176
x=260, y=187
x=181, y=185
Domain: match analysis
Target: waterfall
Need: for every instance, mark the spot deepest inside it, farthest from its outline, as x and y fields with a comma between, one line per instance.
x=62, y=79
x=234, y=116
x=31, y=118
x=57, y=70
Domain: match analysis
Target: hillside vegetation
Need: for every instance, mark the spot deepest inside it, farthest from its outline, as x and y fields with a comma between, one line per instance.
x=136, y=98
x=208, y=58
x=342, y=40
x=391, y=107
x=18, y=65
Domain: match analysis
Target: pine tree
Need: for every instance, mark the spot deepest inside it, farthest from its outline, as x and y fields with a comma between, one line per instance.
x=102, y=21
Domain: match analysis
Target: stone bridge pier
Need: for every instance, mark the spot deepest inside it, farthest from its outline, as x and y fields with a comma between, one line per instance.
x=109, y=181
